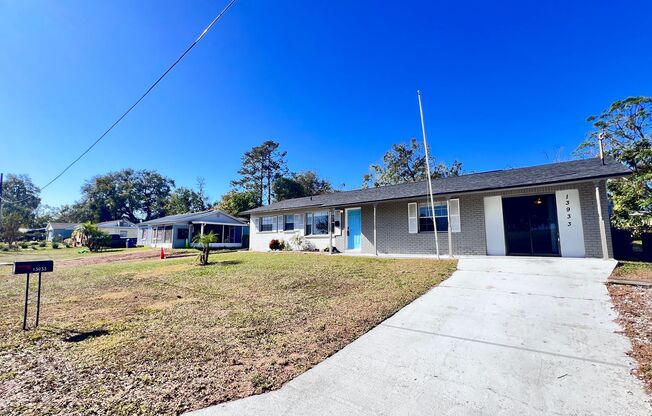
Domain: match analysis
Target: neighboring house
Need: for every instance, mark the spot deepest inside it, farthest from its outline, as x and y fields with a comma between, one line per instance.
x=123, y=228
x=32, y=234
x=59, y=230
x=178, y=231
x=558, y=209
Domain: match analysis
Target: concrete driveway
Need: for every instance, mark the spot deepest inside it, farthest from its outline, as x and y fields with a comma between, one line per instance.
x=502, y=336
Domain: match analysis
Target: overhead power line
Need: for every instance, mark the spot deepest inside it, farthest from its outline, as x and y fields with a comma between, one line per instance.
x=151, y=87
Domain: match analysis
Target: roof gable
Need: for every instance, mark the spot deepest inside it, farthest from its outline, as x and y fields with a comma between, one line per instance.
x=215, y=215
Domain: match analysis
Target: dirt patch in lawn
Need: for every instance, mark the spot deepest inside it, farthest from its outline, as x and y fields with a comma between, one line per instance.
x=634, y=306
x=164, y=337
x=117, y=258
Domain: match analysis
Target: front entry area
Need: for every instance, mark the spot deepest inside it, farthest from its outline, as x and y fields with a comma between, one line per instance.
x=531, y=227
x=353, y=229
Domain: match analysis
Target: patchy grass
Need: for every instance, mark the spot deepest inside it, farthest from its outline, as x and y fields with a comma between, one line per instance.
x=634, y=306
x=633, y=270
x=163, y=337
x=61, y=253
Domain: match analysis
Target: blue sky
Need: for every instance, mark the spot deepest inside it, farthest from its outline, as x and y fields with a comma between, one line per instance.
x=504, y=84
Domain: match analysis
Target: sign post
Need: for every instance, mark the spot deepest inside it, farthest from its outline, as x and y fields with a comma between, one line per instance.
x=29, y=267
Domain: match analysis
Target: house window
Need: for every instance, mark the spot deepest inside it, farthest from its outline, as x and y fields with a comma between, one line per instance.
x=317, y=223
x=267, y=224
x=425, y=217
x=168, y=235
x=143, y=234
x=288, y=222
x=182, y=233
x=232, y=234
x=309, y=223
x=123, y=234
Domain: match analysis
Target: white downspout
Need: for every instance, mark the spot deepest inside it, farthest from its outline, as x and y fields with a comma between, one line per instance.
x=375, y=233
x=603, y=230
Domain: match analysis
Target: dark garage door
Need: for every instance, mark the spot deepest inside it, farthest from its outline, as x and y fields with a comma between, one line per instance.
x=531, y=225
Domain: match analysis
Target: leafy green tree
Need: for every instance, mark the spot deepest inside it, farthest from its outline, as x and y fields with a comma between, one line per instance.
x=234, y=202
x=91, y=236
x=185, y=200
x=261, y=166
x=77, y=212
x=287, y=188
x=45, y=214
x=407, y=163
x=626, y=127
x=9, y=226
x=21, y=197
x=299, y=185
x=312, y=184
x=131, y=194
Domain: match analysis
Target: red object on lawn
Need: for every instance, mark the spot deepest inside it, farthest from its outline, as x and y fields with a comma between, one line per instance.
x=162, y=253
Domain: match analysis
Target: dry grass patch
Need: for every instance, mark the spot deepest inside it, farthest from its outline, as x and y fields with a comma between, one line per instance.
x=634, y=306
x=163, y=337
x=633, y=270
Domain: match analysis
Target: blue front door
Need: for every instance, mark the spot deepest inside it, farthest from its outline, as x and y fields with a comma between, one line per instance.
x=353, y=229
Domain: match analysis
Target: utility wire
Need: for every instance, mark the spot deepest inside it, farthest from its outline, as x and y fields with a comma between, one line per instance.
x=188, y=49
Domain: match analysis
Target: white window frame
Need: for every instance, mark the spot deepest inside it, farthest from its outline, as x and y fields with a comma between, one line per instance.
x=271, y=219
x=310, y=220
x=434, y=212
x=285, y=221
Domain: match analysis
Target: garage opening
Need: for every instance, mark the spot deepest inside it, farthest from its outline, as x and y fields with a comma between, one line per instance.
x=531, y=227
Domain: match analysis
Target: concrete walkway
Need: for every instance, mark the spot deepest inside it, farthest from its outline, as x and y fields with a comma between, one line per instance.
x=502, y=336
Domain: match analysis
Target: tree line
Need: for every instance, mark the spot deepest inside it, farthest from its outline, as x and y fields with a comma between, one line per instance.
x=263, y=178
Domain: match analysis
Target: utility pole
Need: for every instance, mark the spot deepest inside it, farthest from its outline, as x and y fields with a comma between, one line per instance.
x=425, y=149
x=1, y=183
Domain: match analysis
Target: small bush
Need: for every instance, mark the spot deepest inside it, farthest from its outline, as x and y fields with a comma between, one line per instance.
x=275, y=245
x=55, y=245
x=4, y=248
x=41, y=244
x=23, y=244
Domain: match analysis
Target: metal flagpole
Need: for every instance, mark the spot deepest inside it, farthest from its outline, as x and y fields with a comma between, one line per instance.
x=425, y=148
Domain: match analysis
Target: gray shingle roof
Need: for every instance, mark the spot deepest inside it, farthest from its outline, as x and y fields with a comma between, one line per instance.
x=63, y=225
x=576, y=170
x=207, y=216
x=116, y=223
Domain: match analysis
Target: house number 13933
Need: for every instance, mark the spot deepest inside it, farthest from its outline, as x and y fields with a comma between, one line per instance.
x=568, y=205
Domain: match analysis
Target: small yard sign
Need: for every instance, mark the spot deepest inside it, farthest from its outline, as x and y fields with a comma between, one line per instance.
x=28, y=267
x=40, y=266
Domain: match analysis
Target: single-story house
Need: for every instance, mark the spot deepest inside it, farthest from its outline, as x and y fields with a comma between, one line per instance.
x=59, y=230
x=123, y=228
x=33, y=234
x=178, y=231
x=558, y=209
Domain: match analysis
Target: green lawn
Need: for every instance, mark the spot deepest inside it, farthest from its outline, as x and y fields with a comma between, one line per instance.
x=163, y=337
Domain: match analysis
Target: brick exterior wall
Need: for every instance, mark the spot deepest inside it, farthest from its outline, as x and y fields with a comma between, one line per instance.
x=393, y=236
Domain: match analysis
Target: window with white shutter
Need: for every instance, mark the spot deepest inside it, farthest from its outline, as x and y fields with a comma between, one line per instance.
x=413, y=219
x=454, y=215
